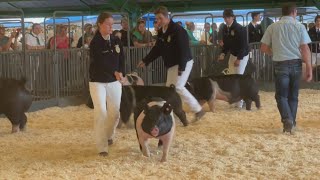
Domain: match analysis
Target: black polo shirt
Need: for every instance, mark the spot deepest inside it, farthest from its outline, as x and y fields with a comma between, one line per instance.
x=106, y=57
x=235, y=40
x=172, y=46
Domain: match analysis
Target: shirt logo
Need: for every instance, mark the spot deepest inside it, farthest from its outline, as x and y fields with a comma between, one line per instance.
x=232, y=32
x=169, y=39
x=117, y=48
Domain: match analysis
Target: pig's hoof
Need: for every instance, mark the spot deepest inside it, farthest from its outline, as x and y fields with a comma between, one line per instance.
x=163, y=160
x=15, y=129
x=185, y=123
x=103, y=154
x=110, y=142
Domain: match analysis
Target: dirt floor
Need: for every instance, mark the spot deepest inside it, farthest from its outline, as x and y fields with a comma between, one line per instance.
x=227, y=144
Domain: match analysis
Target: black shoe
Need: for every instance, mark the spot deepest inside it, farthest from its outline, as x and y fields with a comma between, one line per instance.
x=110, y=142
x=103, y=154
x=200, y=114
x=287, y=125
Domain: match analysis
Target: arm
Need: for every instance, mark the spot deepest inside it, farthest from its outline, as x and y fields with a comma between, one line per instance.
x=121, y=59
x=242, y=33
x=153, y=54
x=8, y=44
x=183, y=46
x=266, y=42
x=79, y=44
x=266, y=49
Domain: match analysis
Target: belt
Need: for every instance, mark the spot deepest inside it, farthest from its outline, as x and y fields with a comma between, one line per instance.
x=288, y=62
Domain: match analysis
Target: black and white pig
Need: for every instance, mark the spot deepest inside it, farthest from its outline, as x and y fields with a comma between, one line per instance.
x=153, y=118
x=230, y=88
x=133, y=94
x=15, y=100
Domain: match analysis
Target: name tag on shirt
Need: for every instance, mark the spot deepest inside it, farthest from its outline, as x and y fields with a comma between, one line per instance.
x=108, y=51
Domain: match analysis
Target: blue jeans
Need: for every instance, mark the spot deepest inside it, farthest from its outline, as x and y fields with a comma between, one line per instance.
x=287, y=81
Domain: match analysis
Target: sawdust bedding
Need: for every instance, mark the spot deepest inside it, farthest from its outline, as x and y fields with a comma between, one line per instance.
x=227, y=144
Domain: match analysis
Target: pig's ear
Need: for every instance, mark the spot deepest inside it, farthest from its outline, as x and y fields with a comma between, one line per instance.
x=167, y=108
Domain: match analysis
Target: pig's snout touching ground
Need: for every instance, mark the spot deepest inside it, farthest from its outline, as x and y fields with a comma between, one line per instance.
x=155, y=131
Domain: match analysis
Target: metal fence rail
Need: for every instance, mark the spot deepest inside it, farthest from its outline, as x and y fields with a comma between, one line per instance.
x=62, y=73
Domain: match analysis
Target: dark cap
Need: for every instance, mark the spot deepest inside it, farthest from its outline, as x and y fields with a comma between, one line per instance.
x=228, y=13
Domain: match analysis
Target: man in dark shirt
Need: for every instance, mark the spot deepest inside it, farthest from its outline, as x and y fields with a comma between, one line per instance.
x=314, y=34
x=234, y=42
x=255, y=29
x=124, y=32
x=173, y=45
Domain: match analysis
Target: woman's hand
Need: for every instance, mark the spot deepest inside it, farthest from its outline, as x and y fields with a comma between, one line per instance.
x=118, y=75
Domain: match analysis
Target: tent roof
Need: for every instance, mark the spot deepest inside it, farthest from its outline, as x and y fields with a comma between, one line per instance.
x=33, y=8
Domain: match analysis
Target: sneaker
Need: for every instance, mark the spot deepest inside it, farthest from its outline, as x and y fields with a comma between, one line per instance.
x=287, y=125
x=103, y=154
x=200, y=114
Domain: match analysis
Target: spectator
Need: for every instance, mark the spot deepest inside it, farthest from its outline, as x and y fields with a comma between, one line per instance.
x=62, y=40
x=190, y=29
x=141, y=37
x=205, y=36
x=255, y=30
x=214, y=35
x=87, y=41
x=117, y=33
x=311, y=25
x=124, y=32
x=265, y=23
x=87, y=32
x=220, y=34
x=34, y=39
x=179, y=23
x=6, y=42
x=155, y=30
x=314, y=34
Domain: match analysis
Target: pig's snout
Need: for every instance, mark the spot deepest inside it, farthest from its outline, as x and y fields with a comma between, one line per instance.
x=155, y=131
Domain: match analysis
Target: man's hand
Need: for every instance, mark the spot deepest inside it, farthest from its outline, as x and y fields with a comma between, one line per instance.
x=308, y=77
x=141, y=64
x=237, y=63
x=221, y=57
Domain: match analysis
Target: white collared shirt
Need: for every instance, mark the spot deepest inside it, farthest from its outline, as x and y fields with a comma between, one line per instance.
x=31, y=39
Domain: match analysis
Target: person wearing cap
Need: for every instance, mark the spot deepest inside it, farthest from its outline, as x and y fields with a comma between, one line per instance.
x=141, y=37
x=255, y=29
x=287, y=41
x=234, y=42
x=87, y=32
x=173, y=46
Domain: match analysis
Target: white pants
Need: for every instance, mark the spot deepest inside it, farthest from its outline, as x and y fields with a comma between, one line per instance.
x=242, y=66
x=180, y=82
x=106, y=98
